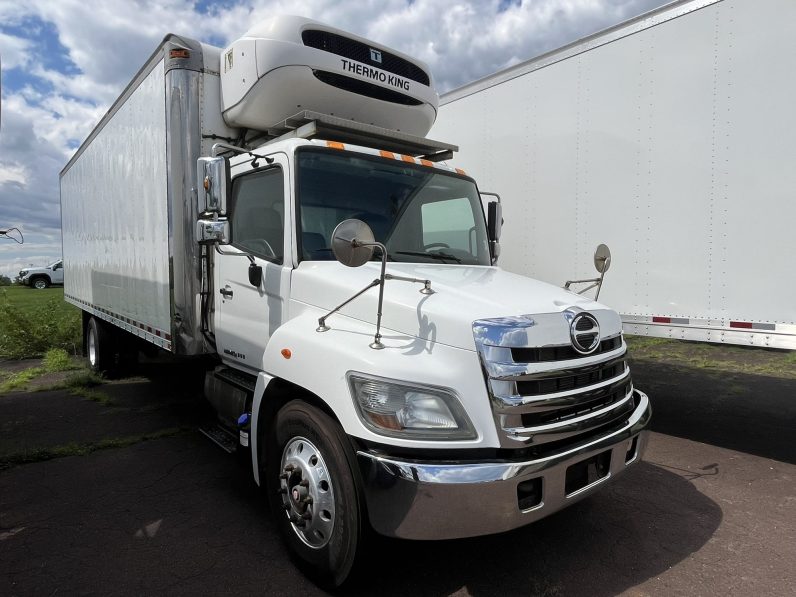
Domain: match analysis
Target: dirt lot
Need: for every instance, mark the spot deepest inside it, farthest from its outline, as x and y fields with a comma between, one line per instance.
x=118, y=494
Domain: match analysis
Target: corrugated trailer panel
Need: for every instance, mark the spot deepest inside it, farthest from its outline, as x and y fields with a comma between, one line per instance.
x=115, y=215
x=669, y=139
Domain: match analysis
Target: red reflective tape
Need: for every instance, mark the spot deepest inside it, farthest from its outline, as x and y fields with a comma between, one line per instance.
x=661, y=320
x=746, y=325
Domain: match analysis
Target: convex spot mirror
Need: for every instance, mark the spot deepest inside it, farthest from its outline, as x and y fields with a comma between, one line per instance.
x=211, y=185
x=602, y=258
x=347, y=243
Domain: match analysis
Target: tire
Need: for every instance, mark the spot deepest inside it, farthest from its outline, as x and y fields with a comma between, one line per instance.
x=40, y=283
x=327, y=536
x=100, y=347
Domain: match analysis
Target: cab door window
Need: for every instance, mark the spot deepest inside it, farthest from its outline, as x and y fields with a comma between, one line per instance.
x=258, y=214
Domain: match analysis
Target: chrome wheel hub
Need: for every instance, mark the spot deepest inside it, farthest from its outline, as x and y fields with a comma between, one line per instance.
x=307, y=492
x=92, y=348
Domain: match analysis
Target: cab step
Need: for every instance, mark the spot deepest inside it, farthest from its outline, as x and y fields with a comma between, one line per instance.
x=221, y=437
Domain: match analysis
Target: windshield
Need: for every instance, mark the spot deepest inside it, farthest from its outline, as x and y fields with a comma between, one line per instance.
x=420, y=214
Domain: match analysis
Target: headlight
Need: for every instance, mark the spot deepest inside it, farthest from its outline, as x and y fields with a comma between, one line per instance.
x=399, y=409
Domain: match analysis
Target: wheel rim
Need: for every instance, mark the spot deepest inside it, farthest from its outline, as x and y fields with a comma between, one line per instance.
x=39, y=284
x=307, y=492
x=92, y=347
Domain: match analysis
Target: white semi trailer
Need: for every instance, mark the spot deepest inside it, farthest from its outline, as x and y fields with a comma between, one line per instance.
x=276, y=205
x=669, y=137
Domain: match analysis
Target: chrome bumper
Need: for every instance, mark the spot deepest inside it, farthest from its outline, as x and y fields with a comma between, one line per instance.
x=421, y=500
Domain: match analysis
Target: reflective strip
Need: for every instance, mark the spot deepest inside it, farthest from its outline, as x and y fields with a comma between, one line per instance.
x=386, y=154
x=335, y=145
x=675, y=320
x=460, y=171
x=408, y=158
x=748, y=325
x=427, y=163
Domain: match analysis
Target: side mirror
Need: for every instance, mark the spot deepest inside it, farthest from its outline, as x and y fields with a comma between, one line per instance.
x=494, y=226
x=211, y=185
x=347, y=243
x=212, y=231
x=494, y=221
x=255, y=275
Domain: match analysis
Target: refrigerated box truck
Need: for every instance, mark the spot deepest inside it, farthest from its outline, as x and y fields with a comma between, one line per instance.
x=670, y=138
x=276, y=207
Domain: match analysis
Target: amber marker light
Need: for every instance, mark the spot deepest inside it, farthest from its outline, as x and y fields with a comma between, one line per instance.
x=286, y=353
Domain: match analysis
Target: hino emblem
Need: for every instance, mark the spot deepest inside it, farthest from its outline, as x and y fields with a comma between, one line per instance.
x=584, y=331
x=375, y=55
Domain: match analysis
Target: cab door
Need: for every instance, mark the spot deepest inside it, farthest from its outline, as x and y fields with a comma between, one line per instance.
x=58, y=273
x=245, y=315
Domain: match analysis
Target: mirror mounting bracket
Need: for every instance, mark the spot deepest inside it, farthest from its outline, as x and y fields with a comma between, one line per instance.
x=353, y=244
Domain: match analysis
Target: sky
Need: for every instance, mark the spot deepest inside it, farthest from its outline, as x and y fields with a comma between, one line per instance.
x=64, y=62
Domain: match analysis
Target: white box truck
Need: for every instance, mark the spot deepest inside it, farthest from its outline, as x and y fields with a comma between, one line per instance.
x=276, y=205
x=670, y=137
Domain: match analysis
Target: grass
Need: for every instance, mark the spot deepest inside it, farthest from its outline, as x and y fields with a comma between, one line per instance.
x=82, y=382
x=20, y=379
x=34, y=321
x=719, y=358
x=56, y=360
x=82, y=449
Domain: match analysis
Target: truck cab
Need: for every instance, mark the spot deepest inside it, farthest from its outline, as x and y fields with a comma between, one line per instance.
x=480, y=389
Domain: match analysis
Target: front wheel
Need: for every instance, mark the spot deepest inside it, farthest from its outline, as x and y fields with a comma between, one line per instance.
x=314, y=485
x=41, y=283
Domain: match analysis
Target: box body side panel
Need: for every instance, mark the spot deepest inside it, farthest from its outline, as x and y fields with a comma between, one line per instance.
x=115, y=216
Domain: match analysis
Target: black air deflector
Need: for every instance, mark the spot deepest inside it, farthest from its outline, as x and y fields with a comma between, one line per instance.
x=364, y=88
x=355, y=50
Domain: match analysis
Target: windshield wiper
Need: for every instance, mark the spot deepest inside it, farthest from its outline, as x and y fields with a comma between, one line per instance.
x=438, y=255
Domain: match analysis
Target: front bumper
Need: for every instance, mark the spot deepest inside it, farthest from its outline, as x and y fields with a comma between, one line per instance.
x=422, y=500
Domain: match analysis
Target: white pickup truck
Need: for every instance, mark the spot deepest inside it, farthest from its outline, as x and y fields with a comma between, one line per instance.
x=43, y=277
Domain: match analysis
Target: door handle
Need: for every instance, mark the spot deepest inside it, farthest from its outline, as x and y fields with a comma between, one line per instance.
x=226, y=292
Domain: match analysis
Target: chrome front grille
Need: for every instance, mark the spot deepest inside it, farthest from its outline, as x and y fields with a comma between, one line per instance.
x=538, y=401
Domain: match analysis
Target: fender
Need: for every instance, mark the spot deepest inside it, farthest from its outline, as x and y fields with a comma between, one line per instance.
x=320, y=361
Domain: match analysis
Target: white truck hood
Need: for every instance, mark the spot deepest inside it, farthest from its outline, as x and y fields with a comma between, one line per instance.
x=462, y=295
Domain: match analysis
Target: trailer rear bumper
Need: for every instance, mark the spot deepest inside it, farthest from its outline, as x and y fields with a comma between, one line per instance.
x=448, y=500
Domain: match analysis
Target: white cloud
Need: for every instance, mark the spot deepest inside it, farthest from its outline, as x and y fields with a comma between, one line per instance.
x=11, y=172
x=14, y=51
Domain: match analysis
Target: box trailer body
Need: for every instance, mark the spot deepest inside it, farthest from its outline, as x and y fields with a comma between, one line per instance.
x=128, y=204
x=400, y=395
x=669, y=138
